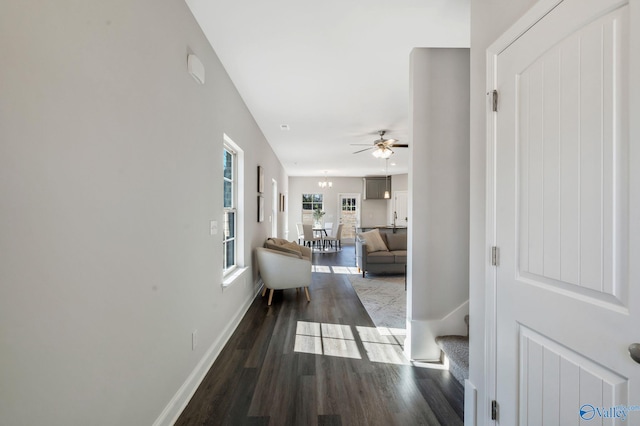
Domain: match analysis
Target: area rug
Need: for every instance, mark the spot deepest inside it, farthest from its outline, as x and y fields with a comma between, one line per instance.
x=384, y=298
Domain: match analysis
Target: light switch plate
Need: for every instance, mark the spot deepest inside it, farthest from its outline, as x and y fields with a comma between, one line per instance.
x=213, y=227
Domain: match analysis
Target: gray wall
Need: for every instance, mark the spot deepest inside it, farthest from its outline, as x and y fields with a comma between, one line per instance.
x=110, y=171
x=489, y=19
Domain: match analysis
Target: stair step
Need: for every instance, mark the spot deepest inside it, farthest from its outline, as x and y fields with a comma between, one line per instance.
x=456, y=348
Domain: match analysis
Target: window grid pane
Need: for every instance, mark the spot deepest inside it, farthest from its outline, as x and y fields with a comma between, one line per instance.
x=229, y=196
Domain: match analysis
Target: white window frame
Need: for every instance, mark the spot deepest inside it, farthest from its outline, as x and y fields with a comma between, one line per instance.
x=230, y=274
x=305, y=212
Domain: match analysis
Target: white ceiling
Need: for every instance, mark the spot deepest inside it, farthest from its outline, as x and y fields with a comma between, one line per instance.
x=336, y=72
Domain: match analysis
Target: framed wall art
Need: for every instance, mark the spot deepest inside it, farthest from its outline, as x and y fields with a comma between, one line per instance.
x=260, y=208
x=260, y=179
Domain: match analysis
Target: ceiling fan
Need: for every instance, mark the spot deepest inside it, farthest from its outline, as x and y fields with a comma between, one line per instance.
x=382, y=147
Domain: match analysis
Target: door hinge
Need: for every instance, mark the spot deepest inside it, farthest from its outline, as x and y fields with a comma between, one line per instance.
x=495, y=256
x=494, y=100
x=494, y=410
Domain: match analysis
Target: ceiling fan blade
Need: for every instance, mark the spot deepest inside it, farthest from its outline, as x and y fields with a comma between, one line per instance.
x=400, y=145
x=363, y=150
x=360, y=144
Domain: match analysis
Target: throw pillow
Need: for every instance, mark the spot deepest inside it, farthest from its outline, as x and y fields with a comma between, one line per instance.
x=374, y=241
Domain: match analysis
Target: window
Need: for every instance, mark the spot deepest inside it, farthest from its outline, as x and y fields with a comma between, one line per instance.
x=348, y=204
x=310, y=202
x=230, y=194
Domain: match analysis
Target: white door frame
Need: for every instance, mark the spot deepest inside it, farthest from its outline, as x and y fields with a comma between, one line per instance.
x=274, y=208
x=394, y=207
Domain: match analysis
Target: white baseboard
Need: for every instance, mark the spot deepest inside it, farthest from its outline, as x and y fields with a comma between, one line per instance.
x=470, y=402
x=180, y=400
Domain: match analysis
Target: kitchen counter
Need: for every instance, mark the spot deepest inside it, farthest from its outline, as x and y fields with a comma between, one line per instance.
x=384, y=228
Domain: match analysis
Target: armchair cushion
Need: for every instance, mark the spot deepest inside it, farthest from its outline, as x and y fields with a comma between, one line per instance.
x=289, y=247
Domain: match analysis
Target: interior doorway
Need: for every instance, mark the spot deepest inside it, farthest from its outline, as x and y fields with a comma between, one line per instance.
x=274, y=208
x=400, y=214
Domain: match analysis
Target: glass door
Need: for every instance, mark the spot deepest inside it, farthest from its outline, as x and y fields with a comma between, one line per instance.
x=349, y=214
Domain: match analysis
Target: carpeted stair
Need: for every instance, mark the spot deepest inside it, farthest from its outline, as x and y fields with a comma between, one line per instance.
x=456, y=349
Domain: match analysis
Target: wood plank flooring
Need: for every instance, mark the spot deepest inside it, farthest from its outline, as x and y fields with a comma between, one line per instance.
x=305, y=363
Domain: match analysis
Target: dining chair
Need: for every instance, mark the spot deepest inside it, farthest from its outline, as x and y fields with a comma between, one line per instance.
x=328, y=228
x=309, y=238
x=335, y=236
x=300, y=232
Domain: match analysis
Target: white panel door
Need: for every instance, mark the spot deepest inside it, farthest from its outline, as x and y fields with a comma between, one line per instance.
x=566, y=208
x=401, y=208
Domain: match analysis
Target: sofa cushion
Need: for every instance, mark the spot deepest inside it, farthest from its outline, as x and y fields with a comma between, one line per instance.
x=400, y=256
x=380, y=257
x=397, y=241
x=374, y=241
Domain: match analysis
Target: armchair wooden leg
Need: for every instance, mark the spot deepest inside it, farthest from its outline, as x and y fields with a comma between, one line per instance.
x=264, y=290
x=270, y=297
x=306, y=291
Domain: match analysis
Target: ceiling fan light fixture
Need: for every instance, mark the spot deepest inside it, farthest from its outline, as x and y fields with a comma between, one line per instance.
x=382, y=152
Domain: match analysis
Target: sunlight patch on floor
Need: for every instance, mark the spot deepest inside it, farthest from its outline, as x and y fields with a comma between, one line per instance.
x=341, y=347
x=381, y=344
x=384, y=344
x=385, y=353
x=326, y=339
x=345, y=270
x=321, y=268
x=337, y=331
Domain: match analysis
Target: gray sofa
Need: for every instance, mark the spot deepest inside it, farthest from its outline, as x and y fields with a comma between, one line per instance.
x=392, y=260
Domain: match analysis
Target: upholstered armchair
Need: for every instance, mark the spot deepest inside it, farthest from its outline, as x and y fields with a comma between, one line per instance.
x=281, y=270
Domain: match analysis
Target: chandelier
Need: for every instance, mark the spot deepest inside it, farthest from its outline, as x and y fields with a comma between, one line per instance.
x=324, y=183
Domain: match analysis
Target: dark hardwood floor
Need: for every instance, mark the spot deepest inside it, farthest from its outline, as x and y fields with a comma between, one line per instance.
x=307, y=363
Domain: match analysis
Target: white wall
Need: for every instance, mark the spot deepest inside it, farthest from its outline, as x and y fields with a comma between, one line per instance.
x=489, y=19
x=438, y=241
x=110, y=171
x=400, y=182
